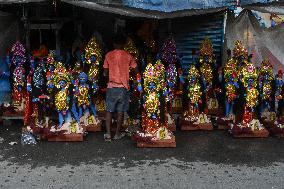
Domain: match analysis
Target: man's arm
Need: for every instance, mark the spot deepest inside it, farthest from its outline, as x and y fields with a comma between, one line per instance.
x=106, y=73
x=106, y=68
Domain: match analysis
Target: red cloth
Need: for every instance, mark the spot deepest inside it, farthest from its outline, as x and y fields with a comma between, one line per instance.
x=119, y=63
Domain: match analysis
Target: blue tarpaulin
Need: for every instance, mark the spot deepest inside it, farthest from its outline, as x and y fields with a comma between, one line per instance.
x=175, y=5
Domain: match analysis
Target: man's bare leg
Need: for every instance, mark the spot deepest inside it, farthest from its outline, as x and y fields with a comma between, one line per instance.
x=108, y=124
x=120, y=116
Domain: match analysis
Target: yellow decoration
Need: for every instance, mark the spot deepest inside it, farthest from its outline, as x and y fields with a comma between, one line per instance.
x=73, y=127
x=240, y=50
x=266, y=70
x=162, y=133
x=60, y=74
x=206, y=71
x=252, y=96
x=194, y=89
x=100, y=105
x=93, y=73
x=206, y=49
x=152, y=103
x=131, y=48
x=83, y=98
x=93, y=49
x=230, y=70
x=91, y=120
x=61, y=100
x=249, y=72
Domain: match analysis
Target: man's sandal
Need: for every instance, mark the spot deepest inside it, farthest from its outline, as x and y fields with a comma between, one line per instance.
x=107, y=137
x=119, y=136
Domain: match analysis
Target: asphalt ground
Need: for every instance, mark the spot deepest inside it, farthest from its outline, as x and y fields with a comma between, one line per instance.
x=201, y=159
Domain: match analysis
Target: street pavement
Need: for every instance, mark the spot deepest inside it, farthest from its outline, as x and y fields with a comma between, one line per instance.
x=200, y=160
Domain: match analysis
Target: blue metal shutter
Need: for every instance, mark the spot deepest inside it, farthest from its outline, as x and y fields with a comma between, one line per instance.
x=190, y=32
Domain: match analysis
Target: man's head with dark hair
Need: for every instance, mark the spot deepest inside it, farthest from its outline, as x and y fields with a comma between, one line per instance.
x=119, y=41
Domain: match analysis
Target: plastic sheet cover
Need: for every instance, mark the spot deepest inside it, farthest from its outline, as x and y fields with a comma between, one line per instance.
x=261, y=42
x=175, y=5
x=143, y=13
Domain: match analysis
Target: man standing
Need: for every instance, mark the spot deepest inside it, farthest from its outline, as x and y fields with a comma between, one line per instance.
x=117, y=65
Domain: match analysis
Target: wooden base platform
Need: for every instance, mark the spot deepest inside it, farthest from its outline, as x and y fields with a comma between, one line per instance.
x=215, y=112
x=256, y=134
x=281, y=135
x=169, y=143
x=93, y=128
x=222, y=127
x=66, y=138
x=206, y=126
x=223, y=124
x=187, y=126
x=267, y=124
x=172, y=127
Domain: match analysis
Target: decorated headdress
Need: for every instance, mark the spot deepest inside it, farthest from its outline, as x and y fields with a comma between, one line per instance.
x=50, y=59
x=169, y=51
x=240, y=50
x=60, y=74
x=18, y=49
x=231, y=70
x=93, y=49
x=249, y=72
x=149, y=77
x=156, y=74
x=193, y=72
x=206, y=48
x=131, y=48
x=266, y=68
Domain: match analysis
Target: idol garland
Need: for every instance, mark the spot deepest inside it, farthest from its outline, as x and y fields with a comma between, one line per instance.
x=231, y=87
x=206, y=62
x=170, y=58
x=18, y=60
x=193, y=116
x=93, y=57
x=265, y=85
x=154, y=88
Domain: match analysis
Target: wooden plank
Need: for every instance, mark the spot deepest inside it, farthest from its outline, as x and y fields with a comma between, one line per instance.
x=66, y=138
x=94, y=128
x=164, y=143
x=172, y=127
x=188, y=126
x=206, y=126
x=256, y=134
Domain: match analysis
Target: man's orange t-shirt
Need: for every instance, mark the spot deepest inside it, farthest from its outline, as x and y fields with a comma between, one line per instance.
x=119, y=63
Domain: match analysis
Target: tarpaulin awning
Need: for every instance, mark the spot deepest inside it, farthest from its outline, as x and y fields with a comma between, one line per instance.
x=275, y=8
x=135, y=12
x=20, y=1
x=176, y=5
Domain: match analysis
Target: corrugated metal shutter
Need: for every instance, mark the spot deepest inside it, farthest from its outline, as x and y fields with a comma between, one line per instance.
x=190, y=32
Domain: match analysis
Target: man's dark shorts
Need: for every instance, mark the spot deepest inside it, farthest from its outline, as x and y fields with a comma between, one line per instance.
x=117, y=100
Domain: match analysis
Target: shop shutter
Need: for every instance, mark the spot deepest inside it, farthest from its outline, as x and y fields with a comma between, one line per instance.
x=190, y=32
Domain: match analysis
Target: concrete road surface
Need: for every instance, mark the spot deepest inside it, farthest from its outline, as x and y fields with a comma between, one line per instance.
x=201, y=160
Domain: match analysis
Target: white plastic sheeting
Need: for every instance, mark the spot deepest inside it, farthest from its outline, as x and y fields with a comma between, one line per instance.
x=261, y=42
